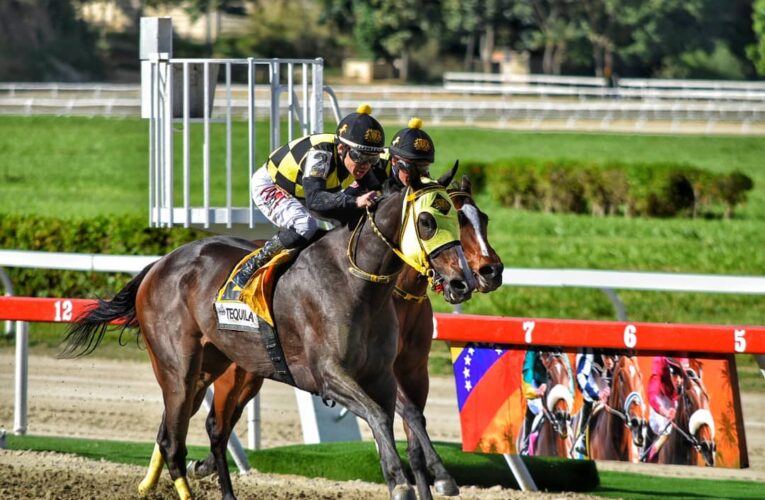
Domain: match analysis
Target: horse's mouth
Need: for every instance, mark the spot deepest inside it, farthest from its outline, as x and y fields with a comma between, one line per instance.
x=456, y=294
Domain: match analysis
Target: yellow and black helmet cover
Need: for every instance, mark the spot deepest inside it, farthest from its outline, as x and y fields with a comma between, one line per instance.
x=361, y=131
x=413, y=143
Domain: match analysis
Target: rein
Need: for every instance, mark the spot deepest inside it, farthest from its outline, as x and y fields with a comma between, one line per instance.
x=354, y=269
x=423, y=268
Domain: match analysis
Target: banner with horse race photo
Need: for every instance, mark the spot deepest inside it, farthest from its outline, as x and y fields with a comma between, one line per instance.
x=652, y=407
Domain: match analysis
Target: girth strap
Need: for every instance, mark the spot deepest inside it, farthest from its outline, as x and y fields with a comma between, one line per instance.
x=275, y=352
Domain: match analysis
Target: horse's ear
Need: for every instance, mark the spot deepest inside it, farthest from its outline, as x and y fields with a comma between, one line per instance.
x=466, y=185
x=446, y=179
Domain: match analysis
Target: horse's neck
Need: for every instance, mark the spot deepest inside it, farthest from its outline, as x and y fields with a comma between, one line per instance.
x=371, y=253
x=412, y=282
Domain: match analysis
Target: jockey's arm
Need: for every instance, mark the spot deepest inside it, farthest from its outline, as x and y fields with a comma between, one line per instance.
x=655, y=396
x=584, y=377
x=528, y=384
x=317, y=197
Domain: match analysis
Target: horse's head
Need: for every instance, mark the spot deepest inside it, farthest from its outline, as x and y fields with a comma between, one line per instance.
x=695, y=406
x=627, y=397
x=429, y=237
x=558, y=398
x=483, y=260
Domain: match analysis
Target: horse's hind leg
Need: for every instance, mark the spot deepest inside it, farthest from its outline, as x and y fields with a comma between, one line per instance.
x=177, y=370
x=232, y=392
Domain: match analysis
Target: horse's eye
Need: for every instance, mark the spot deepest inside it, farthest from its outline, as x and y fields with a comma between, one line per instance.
x=426, y=225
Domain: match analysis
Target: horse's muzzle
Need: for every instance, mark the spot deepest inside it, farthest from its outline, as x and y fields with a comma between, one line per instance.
x=489, y=277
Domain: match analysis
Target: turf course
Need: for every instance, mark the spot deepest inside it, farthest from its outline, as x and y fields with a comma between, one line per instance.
x=348, y=461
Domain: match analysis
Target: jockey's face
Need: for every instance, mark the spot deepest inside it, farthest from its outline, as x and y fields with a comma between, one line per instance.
x=677, y=380
x=404, y=168
x=357, y=163
x=608, y=362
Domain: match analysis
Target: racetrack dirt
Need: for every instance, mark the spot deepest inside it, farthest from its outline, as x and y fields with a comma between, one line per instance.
x=109, y=399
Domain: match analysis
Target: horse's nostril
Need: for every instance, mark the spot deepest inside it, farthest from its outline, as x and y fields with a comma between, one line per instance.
x=490, y=270
x=459, y=285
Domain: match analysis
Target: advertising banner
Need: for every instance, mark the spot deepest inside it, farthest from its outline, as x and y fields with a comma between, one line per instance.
x=668, y=408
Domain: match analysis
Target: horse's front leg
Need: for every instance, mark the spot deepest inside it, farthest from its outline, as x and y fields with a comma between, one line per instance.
x=376, y=406
x=420, y=445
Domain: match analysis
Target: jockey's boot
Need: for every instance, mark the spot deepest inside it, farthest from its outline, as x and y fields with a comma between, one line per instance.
x=527, y=422
x=237, y=284
x=584, y=419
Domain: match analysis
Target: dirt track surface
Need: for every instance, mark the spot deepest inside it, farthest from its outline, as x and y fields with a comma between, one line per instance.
x=110, y=399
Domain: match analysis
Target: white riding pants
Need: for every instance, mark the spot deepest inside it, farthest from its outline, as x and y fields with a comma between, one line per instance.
x=279, y=207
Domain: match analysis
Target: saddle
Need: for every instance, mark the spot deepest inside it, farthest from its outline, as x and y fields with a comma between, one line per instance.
x=253, y=311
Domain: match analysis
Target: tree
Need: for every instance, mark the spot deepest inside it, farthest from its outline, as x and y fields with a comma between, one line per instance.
x=387, y=29
x=556, y=26
x=756, y=51
x=478, y=23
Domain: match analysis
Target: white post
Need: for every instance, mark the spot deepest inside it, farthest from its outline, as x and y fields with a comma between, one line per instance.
x=520, y=472
x=253, y=423
x=22, y=377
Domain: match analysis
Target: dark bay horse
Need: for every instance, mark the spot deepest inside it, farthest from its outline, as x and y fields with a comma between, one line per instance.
x=415, y=319
x=554, y=439
x=693, y=429
x=338, y=332
x=619, y=426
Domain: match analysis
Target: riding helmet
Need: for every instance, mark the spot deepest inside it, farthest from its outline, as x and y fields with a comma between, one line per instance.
x=413, y=143
x=362, y=132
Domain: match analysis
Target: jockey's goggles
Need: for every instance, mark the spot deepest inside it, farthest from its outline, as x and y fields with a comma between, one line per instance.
x=361, y=158
x=421, y=166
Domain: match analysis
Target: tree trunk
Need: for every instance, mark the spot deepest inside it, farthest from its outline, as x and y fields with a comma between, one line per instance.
x=597, y=55
x=487, y=47
x=403, y=71
x=470, y=52
x=547, y=58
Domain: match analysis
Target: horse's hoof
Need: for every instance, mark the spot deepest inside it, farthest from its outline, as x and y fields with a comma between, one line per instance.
x=197, y=470
x=403, y=492
x=145, y=488
x=446, y=487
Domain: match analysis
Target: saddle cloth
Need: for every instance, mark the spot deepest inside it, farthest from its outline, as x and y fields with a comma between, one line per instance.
x=255, y=299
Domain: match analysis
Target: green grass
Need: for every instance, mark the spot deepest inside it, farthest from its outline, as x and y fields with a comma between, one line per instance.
x=82, y=167
x=348, y=461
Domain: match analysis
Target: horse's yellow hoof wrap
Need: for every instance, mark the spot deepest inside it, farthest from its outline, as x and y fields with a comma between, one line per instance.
x=182, y=487
x=152, y=475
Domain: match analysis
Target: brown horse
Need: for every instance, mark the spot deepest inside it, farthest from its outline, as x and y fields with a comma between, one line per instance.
x=554, y=439
x=337, y=330
x=619, y=426
x=415, y=319
x=692, y=439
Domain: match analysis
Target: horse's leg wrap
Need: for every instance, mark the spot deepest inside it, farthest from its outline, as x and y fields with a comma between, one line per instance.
x=182, y=487
x=152, y=475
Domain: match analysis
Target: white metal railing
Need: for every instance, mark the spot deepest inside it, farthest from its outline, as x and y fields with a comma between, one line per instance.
x=189, y=100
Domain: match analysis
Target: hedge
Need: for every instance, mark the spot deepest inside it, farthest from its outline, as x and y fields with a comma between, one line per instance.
x=614, y=188
x=103, y=235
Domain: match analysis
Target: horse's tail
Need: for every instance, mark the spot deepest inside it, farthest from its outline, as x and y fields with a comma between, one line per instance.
x=84, y=335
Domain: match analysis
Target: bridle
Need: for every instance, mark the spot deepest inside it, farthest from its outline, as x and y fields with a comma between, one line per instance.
x=421, y=262
x=403, y=294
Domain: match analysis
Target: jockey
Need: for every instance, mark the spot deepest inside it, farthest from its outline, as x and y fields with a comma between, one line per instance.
x=534, y=387
x=411, y=149
x=667, y=375
x=310, y=173
x=593, y=372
